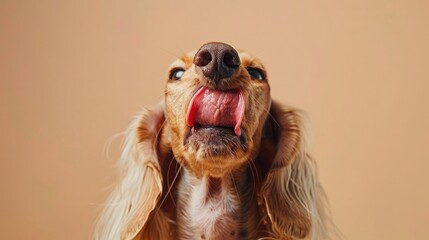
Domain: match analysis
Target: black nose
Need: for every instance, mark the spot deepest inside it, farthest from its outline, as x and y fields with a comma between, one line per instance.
x=217, y=61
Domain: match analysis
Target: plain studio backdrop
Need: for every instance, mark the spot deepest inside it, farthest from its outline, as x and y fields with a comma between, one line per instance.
x=73, y=73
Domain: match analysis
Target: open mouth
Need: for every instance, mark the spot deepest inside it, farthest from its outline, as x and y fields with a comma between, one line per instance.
x=210, y=108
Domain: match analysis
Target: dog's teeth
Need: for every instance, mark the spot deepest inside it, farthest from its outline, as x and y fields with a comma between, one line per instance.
x=192, y=130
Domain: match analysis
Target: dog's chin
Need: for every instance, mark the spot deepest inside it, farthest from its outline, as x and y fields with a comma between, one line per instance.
x=215, y=147
x=215, y=141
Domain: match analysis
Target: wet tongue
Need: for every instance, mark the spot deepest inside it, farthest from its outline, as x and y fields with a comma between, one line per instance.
x=216, y=108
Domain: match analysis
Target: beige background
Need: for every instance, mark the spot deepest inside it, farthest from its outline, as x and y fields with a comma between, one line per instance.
x=74, y=72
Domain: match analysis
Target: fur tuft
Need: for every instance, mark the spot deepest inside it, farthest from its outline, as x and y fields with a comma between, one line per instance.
x=140, y=185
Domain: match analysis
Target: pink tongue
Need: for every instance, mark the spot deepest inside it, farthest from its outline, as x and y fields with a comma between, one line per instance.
x=216, y=108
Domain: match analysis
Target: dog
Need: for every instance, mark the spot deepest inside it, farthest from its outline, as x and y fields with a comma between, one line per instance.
x=217, y=159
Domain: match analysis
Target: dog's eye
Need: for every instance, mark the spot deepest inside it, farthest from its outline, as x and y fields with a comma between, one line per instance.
x=177, y=74
x=255, y=73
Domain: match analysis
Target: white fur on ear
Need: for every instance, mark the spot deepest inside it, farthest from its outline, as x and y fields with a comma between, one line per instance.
x=131, y=204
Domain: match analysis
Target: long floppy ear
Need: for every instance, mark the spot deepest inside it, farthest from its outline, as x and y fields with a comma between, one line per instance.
x=132, y=211
x=294, y=200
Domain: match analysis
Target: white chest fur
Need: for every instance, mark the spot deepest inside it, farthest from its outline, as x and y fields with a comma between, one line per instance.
x=210, y=207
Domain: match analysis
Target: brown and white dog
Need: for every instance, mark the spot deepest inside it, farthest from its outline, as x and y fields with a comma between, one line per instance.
x=218, y=159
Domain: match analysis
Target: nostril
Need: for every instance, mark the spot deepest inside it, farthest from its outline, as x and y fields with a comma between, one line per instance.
x=203, y=59
x=231, y=60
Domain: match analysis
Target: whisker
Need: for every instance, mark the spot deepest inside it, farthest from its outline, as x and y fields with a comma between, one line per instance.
x=169, y=188
x=254, y=193
x=109, y=142
x=266, y=110
x=157, y=134
x=255, y=173
x=168, y=179
x=171, y=53
x=235, y=187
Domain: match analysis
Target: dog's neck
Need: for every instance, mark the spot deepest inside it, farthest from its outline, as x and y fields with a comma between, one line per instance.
x=217, y=208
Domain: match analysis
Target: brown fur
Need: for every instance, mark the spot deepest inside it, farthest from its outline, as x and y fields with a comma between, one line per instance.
x=188, y=190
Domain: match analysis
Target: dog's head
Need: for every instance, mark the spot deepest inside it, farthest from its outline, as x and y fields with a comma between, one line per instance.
x=217, y=116
x=216, y=102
